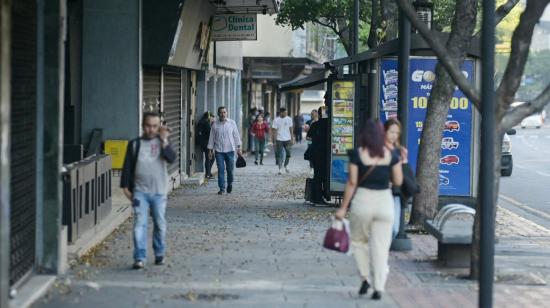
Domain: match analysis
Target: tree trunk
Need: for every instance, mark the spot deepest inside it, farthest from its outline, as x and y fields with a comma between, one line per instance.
x=389, y=12
x=372, y=41
x=474, y=261
x=425, y=203
x=344, y=34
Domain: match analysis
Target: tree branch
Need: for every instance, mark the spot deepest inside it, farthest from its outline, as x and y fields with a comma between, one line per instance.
x=442, y=54
x=521, y=42
x=328, y=25
x=371, y=40
x=514, y=116
x=501, y=12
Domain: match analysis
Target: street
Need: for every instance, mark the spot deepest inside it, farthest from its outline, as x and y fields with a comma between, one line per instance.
x=526, y=192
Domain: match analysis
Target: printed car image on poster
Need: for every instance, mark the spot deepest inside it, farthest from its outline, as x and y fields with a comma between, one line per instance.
x=456, y=155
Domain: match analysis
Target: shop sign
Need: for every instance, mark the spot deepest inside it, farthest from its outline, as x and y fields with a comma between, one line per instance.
x=235, y=27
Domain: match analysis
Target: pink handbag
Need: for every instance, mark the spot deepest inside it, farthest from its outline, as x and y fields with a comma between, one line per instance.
x=337, y=237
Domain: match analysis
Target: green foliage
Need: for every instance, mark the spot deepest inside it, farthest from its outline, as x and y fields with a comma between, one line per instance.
x=335, y=14
x=535, y=77
x=506, y=27
x=296, y=13
x=444, y=11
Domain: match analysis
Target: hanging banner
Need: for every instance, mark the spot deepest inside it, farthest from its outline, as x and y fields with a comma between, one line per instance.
x=343, y=104
x=235, y=27
x=455, y=174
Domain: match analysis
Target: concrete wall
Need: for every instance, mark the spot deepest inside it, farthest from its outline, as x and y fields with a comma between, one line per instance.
x=228, y=54
x=273, y=40
x=187, y=54
x=111, y=68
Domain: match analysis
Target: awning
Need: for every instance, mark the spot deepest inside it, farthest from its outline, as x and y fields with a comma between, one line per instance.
x=305, y=81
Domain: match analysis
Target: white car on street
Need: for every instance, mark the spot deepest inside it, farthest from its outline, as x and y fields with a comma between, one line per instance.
x=536, y=120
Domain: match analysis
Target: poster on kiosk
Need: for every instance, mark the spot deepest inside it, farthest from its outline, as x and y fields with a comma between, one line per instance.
x=341, y=132
x=455, y=168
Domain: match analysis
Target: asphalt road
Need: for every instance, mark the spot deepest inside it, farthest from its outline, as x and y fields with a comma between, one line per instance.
x=527, y=191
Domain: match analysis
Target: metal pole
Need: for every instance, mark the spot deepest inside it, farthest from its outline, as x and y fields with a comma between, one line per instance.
x=355, y=31
x=403, y=72
x=401, y=242
x=355, y=27
x=487, y=171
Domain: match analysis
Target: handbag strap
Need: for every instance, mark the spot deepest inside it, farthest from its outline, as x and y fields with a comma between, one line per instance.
x=366, y=175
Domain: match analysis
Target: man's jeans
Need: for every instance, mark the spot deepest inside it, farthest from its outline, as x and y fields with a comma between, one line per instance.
x=142, y=203
x=279, y=147
x=223, y=161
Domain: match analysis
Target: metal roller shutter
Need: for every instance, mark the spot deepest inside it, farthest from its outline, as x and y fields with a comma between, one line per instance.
x=171, y=110
x=151, y=89
x=23, y=140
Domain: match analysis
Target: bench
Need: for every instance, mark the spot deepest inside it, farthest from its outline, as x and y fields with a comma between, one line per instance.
x=453, y=229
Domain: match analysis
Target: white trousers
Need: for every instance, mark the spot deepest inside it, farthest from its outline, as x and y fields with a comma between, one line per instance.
x=371, y=222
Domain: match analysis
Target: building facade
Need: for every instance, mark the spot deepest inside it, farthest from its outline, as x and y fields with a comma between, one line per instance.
x=77, y=73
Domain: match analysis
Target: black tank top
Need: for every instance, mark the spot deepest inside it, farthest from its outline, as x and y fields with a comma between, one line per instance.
x=380, y=176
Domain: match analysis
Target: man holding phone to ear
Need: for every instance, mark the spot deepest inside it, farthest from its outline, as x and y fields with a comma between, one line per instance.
x=144, y=181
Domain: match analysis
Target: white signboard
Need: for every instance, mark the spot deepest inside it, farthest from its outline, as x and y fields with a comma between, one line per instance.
x=235, y=27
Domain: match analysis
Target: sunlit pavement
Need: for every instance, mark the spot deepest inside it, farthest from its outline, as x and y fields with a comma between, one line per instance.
x=261, y=247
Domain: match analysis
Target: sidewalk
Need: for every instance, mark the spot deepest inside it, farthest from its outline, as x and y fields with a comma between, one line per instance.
x=261, y=246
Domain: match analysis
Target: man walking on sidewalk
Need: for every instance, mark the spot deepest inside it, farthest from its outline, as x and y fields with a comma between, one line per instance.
x=283, y=139
x=224, y=141
x=144, y=181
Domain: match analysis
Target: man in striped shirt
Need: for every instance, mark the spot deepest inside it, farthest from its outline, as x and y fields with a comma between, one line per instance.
x=223, y=142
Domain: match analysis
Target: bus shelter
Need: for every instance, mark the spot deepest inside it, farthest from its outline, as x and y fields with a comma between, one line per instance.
x=366, y=86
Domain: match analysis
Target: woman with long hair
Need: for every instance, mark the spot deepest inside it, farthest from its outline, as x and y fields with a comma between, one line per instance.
x=371, y=168
x=259, y=131
x=393, y=127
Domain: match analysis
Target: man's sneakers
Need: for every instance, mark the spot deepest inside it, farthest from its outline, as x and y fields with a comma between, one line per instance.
x=160, y=260
x=287, y=170
x=138, y=265
x=280, y=171
x=229, y=190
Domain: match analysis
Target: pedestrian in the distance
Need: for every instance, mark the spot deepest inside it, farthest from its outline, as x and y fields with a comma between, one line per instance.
x=203, y=135
x=260, y=130
x=318, y=133
x=267, y=120
x=251, y=118
x=144, y=181
x=224, y=141
x=393, y=134
x=314, y=118
x=298, y=127
x=309, y=123
x=371, y=167
x=283, y=139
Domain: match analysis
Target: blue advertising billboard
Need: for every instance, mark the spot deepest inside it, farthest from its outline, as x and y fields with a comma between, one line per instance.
x=456, y=155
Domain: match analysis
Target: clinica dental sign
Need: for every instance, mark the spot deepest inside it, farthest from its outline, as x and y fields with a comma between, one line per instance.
x=234, y=27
